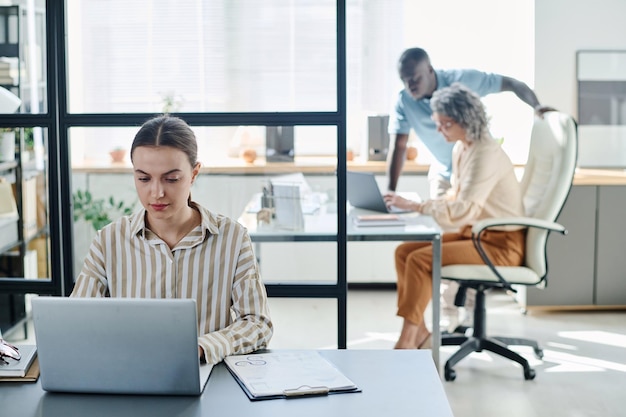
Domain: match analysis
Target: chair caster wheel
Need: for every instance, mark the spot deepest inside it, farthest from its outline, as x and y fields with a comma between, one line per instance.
x=539, y=353
x=529, y=374
x=449, y=374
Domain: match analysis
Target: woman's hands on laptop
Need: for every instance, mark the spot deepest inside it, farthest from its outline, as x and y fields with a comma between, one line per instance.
x=394, y=200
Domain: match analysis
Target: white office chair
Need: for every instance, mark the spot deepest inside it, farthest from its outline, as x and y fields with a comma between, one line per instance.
x=545, y=185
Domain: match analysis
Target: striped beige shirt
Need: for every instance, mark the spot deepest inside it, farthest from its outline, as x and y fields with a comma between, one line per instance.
x=214, y=264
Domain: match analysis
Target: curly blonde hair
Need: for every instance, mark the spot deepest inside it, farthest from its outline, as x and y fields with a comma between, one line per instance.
x=464, y=107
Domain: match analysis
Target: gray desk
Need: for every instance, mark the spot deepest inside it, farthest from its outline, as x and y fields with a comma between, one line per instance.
x=394, y=383
x=322, y=227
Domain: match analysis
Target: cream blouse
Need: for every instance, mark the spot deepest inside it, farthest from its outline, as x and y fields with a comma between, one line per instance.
x=483, y=185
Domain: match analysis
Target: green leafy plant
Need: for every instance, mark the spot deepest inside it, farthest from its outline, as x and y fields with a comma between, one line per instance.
x=98, y=211
x=29, y=138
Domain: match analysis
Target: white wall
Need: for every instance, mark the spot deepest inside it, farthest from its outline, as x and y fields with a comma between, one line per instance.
x=561, y=28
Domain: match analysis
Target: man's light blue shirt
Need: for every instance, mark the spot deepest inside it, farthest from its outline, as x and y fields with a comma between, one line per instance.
x=416, y=114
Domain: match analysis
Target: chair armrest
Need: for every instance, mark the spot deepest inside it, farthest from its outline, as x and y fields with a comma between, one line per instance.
x=518, y=221
x=482, y=225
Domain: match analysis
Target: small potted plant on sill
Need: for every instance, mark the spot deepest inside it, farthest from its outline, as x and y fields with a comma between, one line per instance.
x=117, y=154
x=349, y=154
x=411, y=152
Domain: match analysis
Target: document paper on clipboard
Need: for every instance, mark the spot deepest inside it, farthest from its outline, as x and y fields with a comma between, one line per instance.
x=287, y=374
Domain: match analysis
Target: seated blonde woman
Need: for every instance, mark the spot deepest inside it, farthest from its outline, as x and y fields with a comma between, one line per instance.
x=483, y=186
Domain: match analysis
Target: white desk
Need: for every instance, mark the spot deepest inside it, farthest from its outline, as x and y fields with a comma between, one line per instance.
x=322, y=226
x=393, y=383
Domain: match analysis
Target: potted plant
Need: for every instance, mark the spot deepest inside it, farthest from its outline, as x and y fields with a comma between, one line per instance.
x=98, y=211
x=349, y=154
x=29, y=138
x=411, y=152
x=118, y=154
x=28, y=151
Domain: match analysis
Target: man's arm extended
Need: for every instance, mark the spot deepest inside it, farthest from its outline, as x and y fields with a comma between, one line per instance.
x=395, y=160
x=524, y=93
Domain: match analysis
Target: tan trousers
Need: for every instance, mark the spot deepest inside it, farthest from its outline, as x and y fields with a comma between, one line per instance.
x=414, y=264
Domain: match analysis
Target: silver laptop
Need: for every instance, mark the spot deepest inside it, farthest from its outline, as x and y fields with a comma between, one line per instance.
x=118, y=345
x=363, y=192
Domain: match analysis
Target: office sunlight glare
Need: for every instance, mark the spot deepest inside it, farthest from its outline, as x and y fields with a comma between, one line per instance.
x=596, y=336
x=566, y=362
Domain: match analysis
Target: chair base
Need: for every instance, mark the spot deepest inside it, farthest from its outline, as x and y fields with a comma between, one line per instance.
x=479, y=342
x=498, y=345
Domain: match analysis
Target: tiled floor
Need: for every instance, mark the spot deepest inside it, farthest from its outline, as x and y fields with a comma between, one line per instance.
x=583, y=372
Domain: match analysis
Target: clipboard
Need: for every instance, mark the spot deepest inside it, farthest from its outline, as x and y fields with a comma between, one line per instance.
x=287, y=374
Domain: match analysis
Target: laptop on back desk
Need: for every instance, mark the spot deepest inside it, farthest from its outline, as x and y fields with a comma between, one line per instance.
x=363, y=192
x=118, y=345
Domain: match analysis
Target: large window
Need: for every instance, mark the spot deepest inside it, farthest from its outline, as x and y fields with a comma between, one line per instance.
x=202, y=56
x=235, y=56
x=489, y=35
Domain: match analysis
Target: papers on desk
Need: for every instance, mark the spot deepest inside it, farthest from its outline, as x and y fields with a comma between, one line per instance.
x=309, y=206
x=291, y=196
x=287, y=374
x=380, y=220
x=287, y=206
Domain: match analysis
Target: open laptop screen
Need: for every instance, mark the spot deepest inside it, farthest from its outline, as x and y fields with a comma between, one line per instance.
x=363, y=192
x=118, y=345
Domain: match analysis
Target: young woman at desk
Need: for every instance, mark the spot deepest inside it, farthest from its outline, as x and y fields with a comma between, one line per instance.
x=175, y=248
x=484, y=185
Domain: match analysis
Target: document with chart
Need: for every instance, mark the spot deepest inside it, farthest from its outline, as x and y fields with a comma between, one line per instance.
x=285, y=374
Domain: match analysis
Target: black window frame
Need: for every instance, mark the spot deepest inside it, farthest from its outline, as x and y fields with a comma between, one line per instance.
x=58, y=122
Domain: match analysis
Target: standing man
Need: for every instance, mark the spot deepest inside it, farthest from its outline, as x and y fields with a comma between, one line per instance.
x=413, y=111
